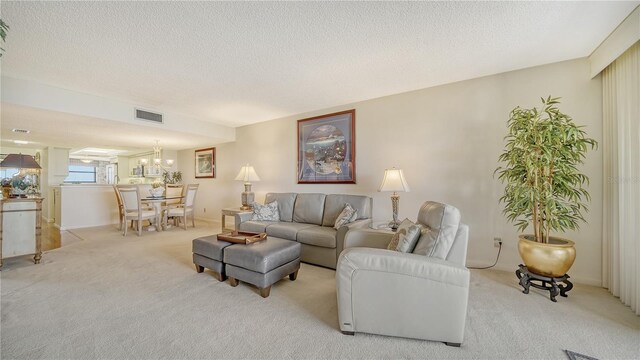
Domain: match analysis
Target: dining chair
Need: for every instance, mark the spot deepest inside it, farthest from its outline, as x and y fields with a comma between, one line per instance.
x=172, y=190
x=186, y=206
x=133, y=210
x=120, y=207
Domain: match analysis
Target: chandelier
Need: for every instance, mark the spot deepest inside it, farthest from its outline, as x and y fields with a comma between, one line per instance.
x=157, y=157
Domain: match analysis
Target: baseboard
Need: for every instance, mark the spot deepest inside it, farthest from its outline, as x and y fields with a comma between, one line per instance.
x=208, y=220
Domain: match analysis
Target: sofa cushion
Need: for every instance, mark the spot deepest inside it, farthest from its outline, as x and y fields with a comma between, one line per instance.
x=255, y=226
x=334, y=204
x=440, y=224
x=286, y=230
x=406, y=237
x=348, y=215
x=267, y=212
x=309, y=208
x=319, y=236
x=285, y=204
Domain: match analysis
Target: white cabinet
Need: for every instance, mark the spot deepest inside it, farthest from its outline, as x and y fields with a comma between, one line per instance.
x=60, y=161
x=20, y=228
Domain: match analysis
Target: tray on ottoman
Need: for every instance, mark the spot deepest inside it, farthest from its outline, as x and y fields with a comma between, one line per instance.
x=242, y=237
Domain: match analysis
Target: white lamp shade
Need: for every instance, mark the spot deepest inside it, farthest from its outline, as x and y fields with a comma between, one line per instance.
x=247, y=174
x=394, y=181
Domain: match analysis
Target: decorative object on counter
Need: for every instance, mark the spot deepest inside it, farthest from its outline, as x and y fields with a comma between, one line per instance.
x=171, y=177
x=394, y=181
x=327, y=149
x=6, y=187
x=205, y=163
x=543, y=186
x=247, y=174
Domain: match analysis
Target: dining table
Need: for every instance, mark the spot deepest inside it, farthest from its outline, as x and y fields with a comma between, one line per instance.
x=156, y=202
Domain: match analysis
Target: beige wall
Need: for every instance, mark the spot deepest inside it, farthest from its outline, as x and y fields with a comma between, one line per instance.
x=446, y=139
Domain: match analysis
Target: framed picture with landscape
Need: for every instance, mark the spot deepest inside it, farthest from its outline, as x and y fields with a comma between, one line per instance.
x=326, y=149
x=206, y=163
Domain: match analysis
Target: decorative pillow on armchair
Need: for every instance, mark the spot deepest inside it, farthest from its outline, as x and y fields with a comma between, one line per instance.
x=348, y=215
x=406, y=237
x=266, y=212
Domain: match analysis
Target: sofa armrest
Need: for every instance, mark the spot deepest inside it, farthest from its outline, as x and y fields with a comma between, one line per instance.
x=399, y=294
x=369, y=238
x=406, y=264
x=242, y=217
x=347, y=228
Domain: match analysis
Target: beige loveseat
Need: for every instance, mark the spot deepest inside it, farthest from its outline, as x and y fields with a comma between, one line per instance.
x=309, y=219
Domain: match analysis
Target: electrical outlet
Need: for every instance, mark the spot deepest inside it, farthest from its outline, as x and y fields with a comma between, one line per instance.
x=497, y=241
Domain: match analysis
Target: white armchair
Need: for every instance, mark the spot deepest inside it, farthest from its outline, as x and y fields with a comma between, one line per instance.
x=408, y=295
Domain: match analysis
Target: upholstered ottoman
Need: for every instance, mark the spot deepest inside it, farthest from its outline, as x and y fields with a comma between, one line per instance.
x=262, y=263
x=208, y=253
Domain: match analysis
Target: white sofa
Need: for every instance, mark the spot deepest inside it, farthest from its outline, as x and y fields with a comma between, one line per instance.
x=408, y=295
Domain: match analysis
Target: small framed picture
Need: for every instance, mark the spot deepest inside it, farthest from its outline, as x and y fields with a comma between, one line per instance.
x=205, y=163
x=327, y=149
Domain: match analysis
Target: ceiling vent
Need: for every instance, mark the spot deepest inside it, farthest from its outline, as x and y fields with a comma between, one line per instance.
x=149, y=116
x=22, y=131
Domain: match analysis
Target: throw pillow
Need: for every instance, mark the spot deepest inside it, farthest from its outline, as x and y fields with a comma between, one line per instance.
x=406, y=237
x=348, y=215
x=441, y=223
x=266, y=212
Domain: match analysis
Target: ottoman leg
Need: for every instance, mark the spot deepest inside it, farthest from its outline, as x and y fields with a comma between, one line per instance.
x=293, y=276
x=233, y=281
x=219, y=276
x=199, y=268
x=264, y=292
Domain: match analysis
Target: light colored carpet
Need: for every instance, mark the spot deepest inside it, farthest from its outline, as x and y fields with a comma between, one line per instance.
x=140, y=297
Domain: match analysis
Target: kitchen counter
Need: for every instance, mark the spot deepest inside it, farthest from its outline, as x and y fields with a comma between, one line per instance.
x=84, y=205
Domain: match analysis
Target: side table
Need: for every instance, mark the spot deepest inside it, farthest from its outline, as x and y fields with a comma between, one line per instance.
x=231, y=212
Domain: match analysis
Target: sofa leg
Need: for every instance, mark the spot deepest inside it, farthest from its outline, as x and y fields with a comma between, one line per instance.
x=293, y=276
x=452, y=344
x=233, y=281
x=199, y=268
x=348, y=333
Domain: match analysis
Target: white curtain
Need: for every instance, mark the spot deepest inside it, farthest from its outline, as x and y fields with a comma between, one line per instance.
x=621, y=139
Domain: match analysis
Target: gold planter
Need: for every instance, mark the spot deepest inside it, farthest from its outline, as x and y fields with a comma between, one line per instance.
x=553, y=259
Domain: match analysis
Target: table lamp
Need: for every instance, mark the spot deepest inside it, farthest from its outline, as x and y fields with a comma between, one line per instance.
x=394, y=181
x=247, y=174
x=22, y=163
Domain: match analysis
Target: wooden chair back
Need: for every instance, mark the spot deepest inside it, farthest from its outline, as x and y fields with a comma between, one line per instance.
x=174, y=190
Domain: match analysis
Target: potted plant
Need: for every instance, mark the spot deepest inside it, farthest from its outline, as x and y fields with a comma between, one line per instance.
x=543, y=186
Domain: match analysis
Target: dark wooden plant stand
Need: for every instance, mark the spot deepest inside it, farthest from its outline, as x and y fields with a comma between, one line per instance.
x=527, y=279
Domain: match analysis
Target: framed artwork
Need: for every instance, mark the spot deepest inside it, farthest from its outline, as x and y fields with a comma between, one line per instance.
x=327, y=149
x=206, y=163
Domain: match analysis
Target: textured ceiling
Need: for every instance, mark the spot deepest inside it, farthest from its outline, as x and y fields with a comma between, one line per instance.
x=237, y=63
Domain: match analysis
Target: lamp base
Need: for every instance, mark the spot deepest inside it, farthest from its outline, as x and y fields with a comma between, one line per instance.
x=247, y=198
x=393, y=225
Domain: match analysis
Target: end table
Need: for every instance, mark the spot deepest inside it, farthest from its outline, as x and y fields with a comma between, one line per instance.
x=231, y=212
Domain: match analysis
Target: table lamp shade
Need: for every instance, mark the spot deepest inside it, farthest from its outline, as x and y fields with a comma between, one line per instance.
x=394, y=181
x=247, y=174
x=19, y=161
